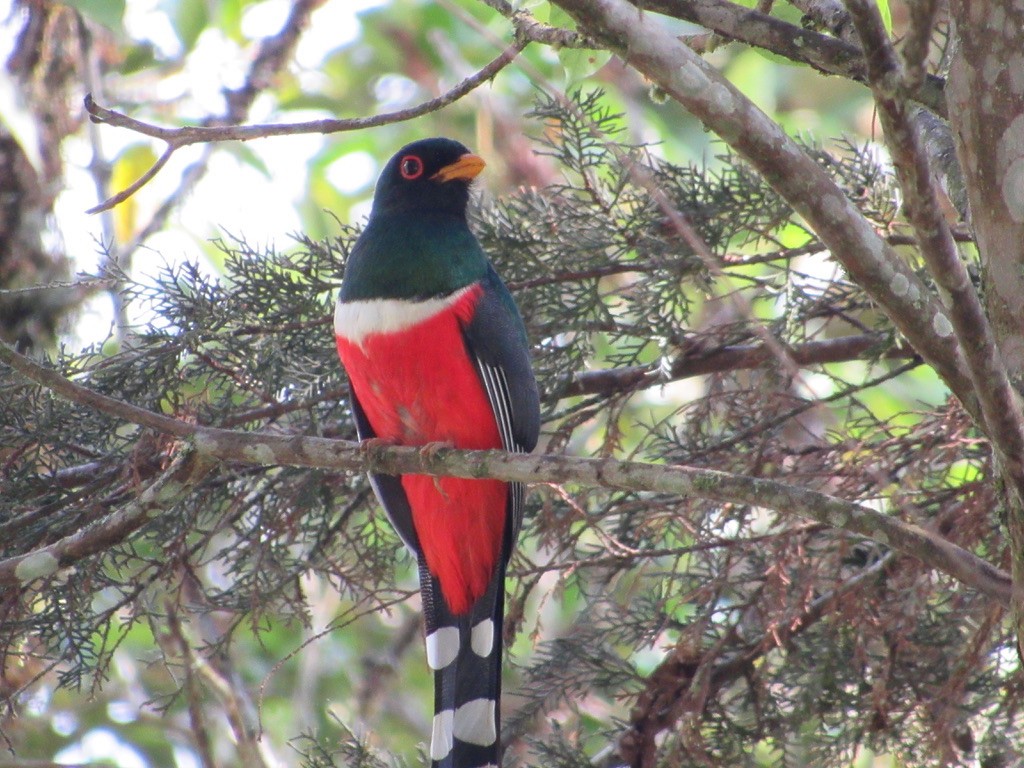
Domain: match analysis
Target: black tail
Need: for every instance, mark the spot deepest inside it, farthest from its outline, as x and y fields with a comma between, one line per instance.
x=465, y=654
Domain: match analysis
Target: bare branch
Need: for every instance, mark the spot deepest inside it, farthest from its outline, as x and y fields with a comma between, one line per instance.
x=136, y=185
x=830, y=55
x=1003, y=417
x=918, y=40
x=176, y=138
x=730, y=358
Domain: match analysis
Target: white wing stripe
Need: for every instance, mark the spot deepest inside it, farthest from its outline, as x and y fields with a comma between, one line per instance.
x=496, y=385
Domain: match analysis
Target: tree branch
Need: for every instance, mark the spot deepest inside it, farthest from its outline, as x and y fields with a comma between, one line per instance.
x=987, y=116
x=438, y=460
x=1002, y=415
x=829, y=14
x=918, y=41
x=670, y=692
x=178, y=480
x=176, y=138
x=827, y=54
x=730, y=358
x=528, y=28
x=644, y=43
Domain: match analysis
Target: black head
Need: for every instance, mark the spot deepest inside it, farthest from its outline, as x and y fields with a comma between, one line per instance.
x=430, y=174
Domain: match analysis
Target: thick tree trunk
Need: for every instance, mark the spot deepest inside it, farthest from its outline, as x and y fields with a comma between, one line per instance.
x=986, y=106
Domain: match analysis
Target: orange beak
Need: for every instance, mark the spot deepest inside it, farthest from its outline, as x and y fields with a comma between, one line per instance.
x=465, y=168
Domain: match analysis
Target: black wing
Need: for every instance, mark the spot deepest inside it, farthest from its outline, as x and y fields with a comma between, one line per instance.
x=388, y=488
x=496, y=340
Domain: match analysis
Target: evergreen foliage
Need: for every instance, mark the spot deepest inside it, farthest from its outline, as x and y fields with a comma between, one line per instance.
x=671, y=626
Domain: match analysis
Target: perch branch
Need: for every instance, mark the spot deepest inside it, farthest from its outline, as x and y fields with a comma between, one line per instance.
x=437, y=460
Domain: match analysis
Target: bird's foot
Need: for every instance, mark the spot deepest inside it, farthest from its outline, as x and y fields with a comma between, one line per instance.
x=372, y=447
x=430, y=451
x=372, y=443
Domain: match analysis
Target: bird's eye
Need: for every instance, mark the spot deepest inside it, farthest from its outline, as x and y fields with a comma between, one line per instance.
x=411, y=167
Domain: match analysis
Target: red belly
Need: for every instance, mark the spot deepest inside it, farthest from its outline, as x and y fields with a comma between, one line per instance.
x=419, y=386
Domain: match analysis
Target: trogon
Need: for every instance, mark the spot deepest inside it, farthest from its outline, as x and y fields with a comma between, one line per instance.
x=436, y=352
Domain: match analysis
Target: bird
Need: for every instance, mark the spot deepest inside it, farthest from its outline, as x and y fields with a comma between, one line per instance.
x=436, y=352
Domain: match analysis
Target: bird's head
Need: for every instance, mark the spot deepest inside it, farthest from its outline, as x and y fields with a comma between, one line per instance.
x=427, y=175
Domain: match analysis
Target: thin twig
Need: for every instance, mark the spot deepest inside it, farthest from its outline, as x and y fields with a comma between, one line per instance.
x=139, y=183
x=176, y=138
x=199, y=731
x=729, y=358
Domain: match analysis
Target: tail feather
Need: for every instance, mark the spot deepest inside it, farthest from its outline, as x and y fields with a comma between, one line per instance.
x=465, y=653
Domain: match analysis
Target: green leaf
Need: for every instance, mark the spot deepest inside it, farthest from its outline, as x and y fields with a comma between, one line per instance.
x=190, y=18
x=244, y=153
x=580, y=64
x=137, y=57
x=109, y=13
x=559, y=18
x=883, y=9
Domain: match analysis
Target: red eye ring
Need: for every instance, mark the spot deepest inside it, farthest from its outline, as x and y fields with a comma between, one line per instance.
x=411, y=167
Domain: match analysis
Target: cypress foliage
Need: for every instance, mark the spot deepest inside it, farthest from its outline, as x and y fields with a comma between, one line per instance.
x=661, y=630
